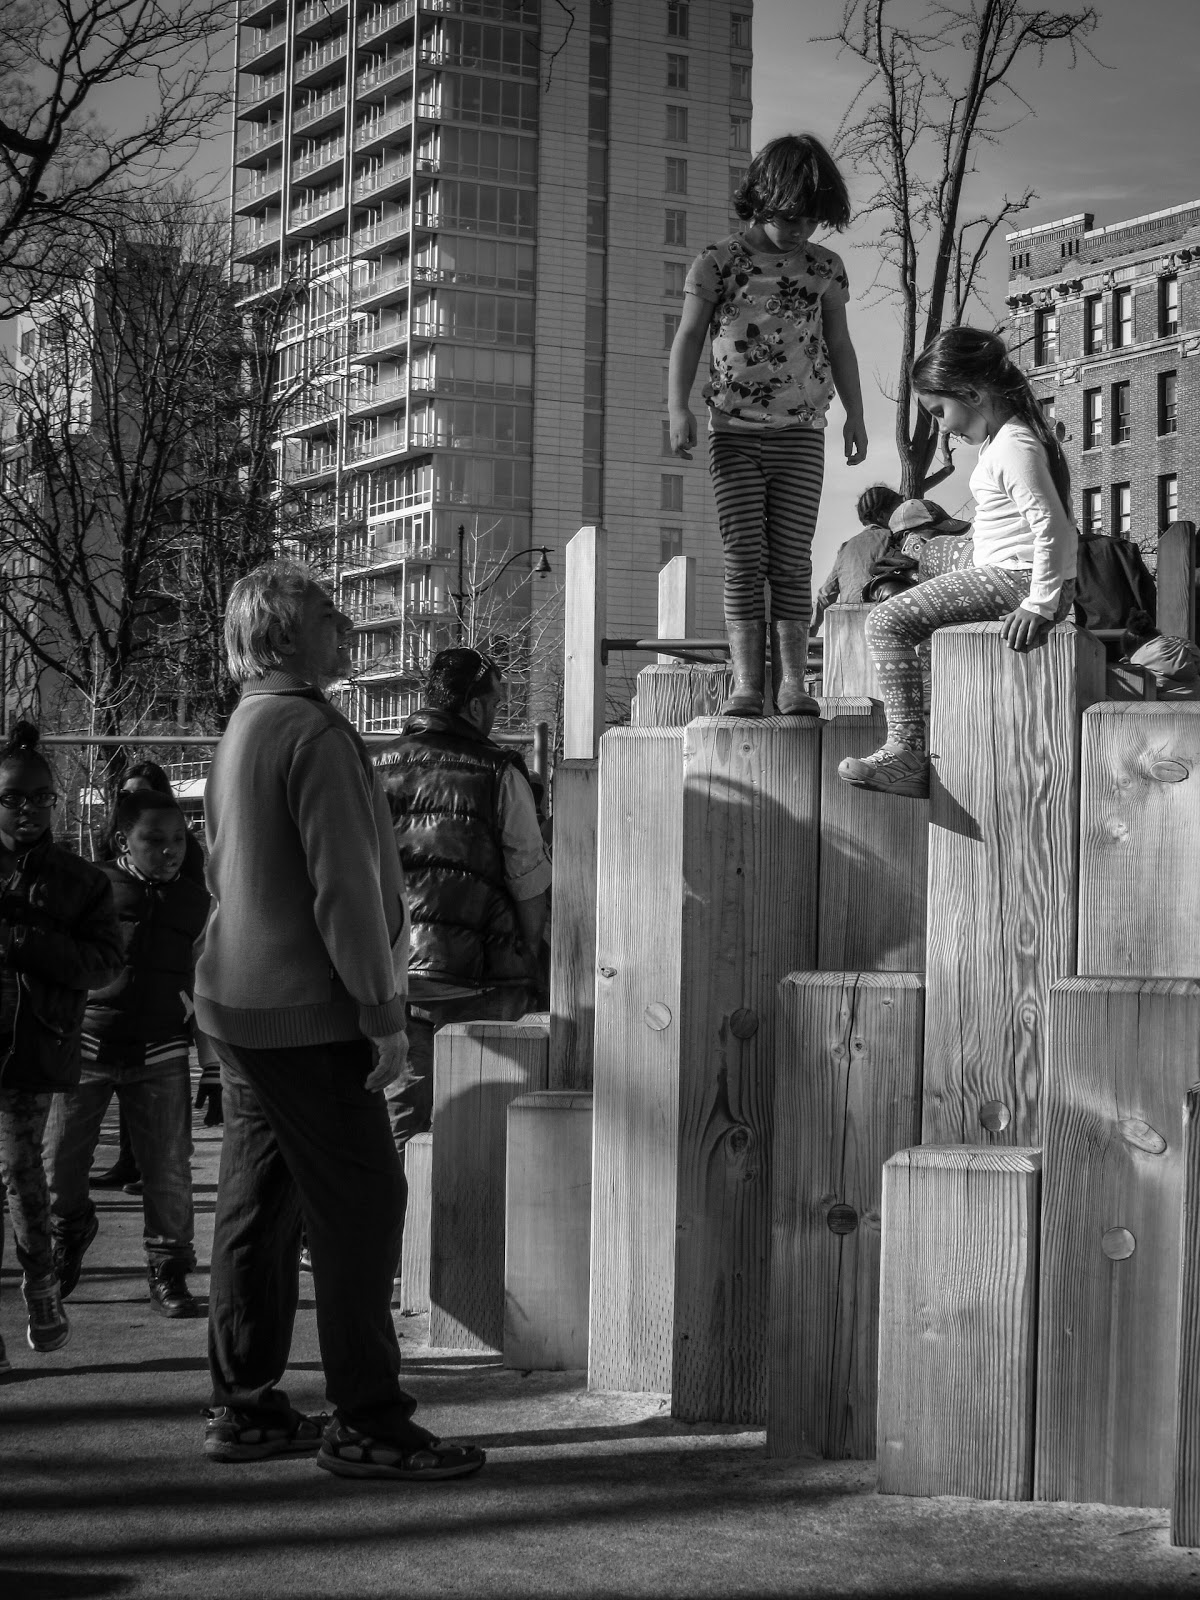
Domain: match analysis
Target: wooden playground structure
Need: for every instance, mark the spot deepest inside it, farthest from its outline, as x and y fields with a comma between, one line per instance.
x=875, y=1121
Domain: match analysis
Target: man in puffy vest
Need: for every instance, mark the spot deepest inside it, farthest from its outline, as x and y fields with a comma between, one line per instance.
x=476, y=866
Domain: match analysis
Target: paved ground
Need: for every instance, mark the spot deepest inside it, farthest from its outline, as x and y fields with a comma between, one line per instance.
x=103, y=1490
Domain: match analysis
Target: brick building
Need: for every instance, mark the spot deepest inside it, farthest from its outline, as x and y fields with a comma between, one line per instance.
x=1106, y=321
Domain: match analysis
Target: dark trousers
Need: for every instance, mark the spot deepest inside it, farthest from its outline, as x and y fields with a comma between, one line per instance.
x=305, y=1145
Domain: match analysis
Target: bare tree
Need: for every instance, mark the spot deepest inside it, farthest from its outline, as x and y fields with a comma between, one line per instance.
x=938, y=90
x=64, y=174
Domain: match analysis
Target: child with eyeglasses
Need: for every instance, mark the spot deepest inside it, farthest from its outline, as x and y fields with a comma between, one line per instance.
x=58, y=938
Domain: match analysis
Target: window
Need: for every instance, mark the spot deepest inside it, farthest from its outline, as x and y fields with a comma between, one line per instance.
x=1045, y=337
x=739, y=83
x=677, y=19
x=676, y=175
x=1122, y=318
x=1168, y=402
x=1068, y=247
x=671, y=491
x=593, y=276
x=1093, y=325
x=1168, y=306
x=671, y=321
x=598, y=117
x=677, y=72
x=670, y=544
x=677, y=125
x=29, y=341
x=739, y=30
x=593, y=494
x=1093, y=418
x=597, y=224
x=1122, y=511
x=597, y=170
x=666, y=386
x=593, y=436
x=1093, y=511
x=1168, y=501
x=739, y=133
x=598, y=63
x=674, y=279
x=675, y=227
x=593, y=386
x=1120, y=413
x=1049, y=409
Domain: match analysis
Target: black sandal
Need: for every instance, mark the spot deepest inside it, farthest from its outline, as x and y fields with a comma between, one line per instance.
x=351, y=1454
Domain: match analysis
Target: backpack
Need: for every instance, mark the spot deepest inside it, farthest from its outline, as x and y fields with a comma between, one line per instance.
x=1112, y=583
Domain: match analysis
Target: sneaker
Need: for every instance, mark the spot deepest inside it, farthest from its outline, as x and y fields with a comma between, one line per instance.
x=237, y=1436
x=69, y=1254
x=122, y=1171
x=134, y=1186
x=48, y=1325
x=893, y=770
x=349, y=1453
x=305, y=1259
x=169, y=1292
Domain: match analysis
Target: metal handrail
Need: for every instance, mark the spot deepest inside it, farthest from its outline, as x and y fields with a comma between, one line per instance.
x=331, y=100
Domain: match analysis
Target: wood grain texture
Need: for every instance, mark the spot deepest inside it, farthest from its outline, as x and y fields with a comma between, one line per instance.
x=1185, y=1508
x=479, y=1068
x=874, y=851
x=547, y=1229
x=672, y=696
x=750, y=848
x=847, y=1096
x=584, y=620
x=847, y=670
x=573, y=925
x=1139, y=914
x=1175, y=580
x=414, y=1253
x=1003, y=872
x=1123, y=1054
x=677, y=600
x=958, y=1299
x=637, y=1059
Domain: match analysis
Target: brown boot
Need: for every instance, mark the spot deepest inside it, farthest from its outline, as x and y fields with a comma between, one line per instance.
x=789, y=656
x=747, y=657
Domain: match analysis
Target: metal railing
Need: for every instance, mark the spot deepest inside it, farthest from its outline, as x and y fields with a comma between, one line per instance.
x=314, y=60
x=385, y=19
x=377, y=127
x=331, y=100
x=267, y=41
x=384, y=445
x=381, y=232
x=331, y=150
x=331, y=200
x=259, y=188
x=393, y=67
x=380, y=177
x=317, y=11
x=263, y=89
x=267, y=136
x=384, y=283
x=247, y=239
x=377, y=339
x=375, y=394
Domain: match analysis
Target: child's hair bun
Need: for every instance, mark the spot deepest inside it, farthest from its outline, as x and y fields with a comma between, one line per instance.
x=24, y=737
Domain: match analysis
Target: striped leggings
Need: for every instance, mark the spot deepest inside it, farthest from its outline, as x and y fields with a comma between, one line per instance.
x=768, y=490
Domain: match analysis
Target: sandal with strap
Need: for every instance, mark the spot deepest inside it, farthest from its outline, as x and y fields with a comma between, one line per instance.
x=237, y=1436
x=351, y=1454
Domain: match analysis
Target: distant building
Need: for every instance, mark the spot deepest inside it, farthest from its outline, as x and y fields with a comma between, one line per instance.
x=1106, y=322
x=486, y=209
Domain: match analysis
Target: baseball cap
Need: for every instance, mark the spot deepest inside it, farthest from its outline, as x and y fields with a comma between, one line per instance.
x=913, y=514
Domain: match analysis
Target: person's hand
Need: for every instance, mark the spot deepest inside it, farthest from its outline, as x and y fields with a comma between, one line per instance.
x=1022, y=629
x=854, y=436
x=945, y=453
x=208, y=1093
x=391, y=1056
x=683, y=433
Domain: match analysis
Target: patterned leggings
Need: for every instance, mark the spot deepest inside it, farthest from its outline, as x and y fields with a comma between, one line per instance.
x=22, y=1123
x=768, y=491
x=897, y=626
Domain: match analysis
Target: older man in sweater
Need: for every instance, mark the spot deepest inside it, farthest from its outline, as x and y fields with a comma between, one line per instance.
x=302, y=986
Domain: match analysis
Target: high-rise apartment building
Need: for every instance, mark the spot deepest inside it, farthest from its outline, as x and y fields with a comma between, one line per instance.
x=485, y=210
x=1107, y=324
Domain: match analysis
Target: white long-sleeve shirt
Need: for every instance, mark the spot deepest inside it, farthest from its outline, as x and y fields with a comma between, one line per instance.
x=1019, y=519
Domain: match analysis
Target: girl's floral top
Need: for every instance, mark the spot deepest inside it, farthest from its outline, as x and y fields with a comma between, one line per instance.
x=770, y=366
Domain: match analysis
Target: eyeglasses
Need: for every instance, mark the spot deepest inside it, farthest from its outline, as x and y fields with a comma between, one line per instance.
x=39, y=800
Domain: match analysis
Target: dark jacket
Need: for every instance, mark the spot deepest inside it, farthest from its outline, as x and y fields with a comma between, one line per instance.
x=160, y=923
x=443, y=780
x=59, y=935
x=853, y=568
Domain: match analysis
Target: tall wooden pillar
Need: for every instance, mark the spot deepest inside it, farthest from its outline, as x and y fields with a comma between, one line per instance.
x=573, y=925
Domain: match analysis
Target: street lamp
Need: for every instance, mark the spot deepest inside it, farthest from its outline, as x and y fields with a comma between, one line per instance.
x=462, y=594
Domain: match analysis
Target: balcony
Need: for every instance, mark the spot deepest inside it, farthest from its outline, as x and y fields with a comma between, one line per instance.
x=382, y=178
x=379, y=287
x=378, y=396
x=318, y=464
x=266, y=44
x=333, y=150
x=265, y=138
x=258, y=93
x=378, y=234
x=320, y=109
x=395, y=554
x=255, y=195
x=323, y=59
x=379, y=127
x=314, y=211
x=317, y=13
x=255, y=11
x=390, y=337
x=385, y=21
x=386, y=72
x=248, y=240
x=387, y=444
x=260, y=283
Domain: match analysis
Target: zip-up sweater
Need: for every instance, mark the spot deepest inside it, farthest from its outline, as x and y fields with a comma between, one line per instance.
x=308, y=938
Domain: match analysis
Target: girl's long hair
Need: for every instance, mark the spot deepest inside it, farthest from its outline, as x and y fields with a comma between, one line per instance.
x=959, y=360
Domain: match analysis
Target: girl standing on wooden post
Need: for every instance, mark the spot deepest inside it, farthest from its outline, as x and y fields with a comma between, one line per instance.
x=1025, y=542
x=776, y=307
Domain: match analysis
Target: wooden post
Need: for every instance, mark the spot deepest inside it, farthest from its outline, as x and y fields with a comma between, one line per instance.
x=958, y=1297
x=848, y=671
x=1176, y=581
x=1185, y=1513
x=677, y=601
x=1003, y=874
x=1139, y=824
x=847, y=1096
x=573, y=925
x=750, y=848
x=478, y=1069
x=547, y=1224
x=873, y=856
x=414, y=1255
x=584, y=621
x=1123, y=1054
x=637, y=1059
x=671, y=697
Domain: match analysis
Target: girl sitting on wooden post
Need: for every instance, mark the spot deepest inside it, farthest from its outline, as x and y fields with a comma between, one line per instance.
x=1025, y=542
x=776, y=307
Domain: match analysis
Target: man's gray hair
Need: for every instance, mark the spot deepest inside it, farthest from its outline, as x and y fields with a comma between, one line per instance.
x=274, y=592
